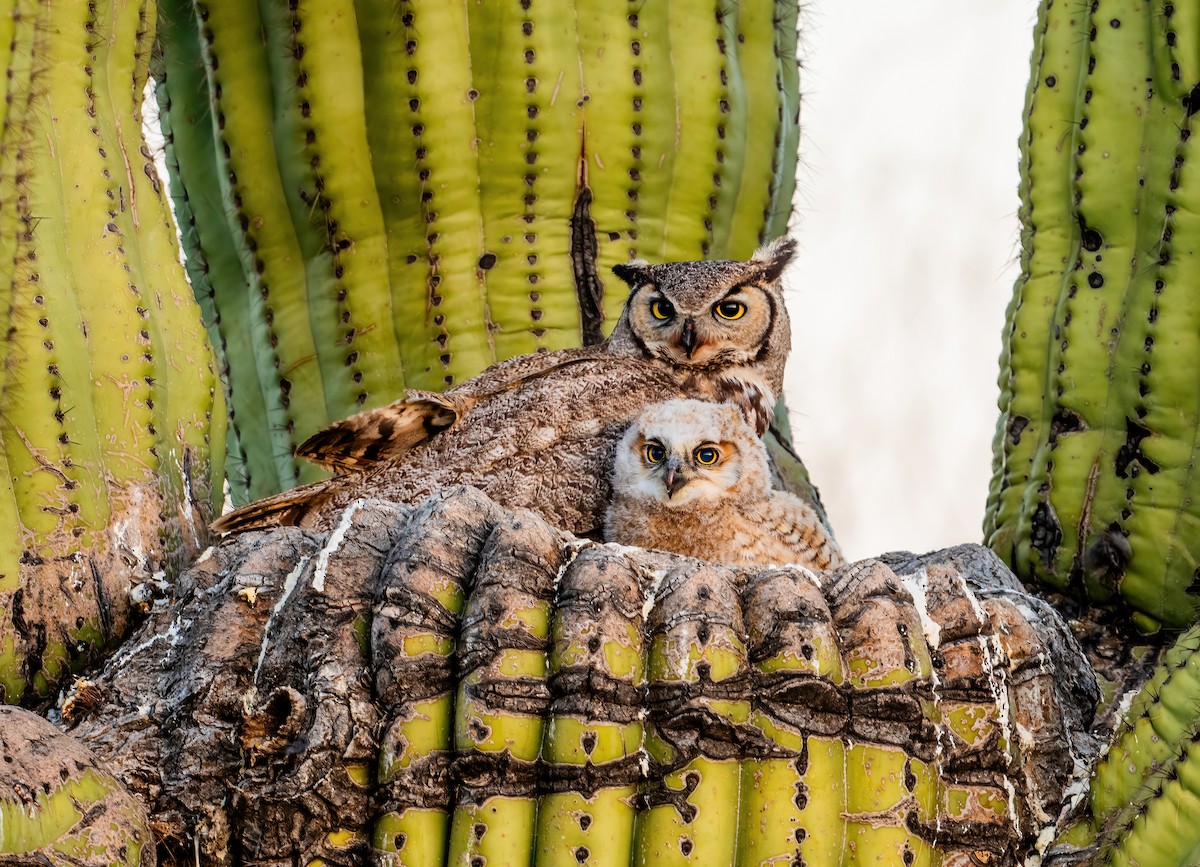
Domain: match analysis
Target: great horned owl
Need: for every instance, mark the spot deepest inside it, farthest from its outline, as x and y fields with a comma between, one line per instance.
x=691, y=477
x=538, y=431
x=723, y=323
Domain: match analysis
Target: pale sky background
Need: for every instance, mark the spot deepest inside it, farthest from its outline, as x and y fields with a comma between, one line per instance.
x=906, y=218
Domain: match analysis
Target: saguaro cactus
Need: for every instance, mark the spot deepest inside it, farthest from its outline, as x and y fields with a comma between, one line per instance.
x=1094, y=491
x=107, y=383
x=57, y=806
x=394, y=195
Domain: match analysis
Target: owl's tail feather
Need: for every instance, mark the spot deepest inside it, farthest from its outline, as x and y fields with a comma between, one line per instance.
x=367, y=439
x=287, y=509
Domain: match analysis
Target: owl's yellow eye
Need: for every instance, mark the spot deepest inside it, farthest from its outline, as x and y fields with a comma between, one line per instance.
x=655, y=453
x=662, y=309
x=731, y=309
x=707, y=455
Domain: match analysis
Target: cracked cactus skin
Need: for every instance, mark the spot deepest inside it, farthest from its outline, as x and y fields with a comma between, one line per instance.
x=390, y=195
x=1094, y=492
x=111, y=428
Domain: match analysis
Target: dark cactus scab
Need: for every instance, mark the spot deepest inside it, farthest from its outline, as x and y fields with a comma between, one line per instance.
x=1046, y=533
x=1016, y=425
x=1191, y=102
x=589, y=288
x=1065, y=421
x=1089, y=238
x=1130, y=451
x=1107, y=557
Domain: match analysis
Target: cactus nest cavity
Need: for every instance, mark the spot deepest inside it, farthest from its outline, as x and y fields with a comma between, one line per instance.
x=458, y=677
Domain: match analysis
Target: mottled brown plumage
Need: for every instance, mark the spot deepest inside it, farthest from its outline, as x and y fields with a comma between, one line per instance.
x=538, y=431
x=692, y=478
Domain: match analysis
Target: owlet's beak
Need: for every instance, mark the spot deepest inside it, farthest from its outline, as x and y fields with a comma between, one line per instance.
x=673, y=477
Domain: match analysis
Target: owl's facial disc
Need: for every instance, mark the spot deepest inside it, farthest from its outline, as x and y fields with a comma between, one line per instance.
x=697, y=332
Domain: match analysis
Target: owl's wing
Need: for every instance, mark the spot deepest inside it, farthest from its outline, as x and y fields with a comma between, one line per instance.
x=279, y=510
x=367, y=438
x=374, y=436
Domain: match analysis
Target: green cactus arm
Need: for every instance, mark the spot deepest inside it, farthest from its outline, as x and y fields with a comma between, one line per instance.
x=1090, y=492
x=256, y=219
x=753, y=42
x=783, y=184
x=328, y=82
x=341, y=365
x=1047, y=237
x=210, y=258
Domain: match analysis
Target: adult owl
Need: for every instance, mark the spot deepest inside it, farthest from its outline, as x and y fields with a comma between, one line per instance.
x=538, y=431
x=691, y=477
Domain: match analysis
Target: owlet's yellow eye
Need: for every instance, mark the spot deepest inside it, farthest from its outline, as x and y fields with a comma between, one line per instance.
x=731, y=309
x=655, y=453
x=662, y=309
x=707, y=455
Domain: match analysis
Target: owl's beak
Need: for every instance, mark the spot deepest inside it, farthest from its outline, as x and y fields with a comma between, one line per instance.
x=673, y=477
x=688, y=337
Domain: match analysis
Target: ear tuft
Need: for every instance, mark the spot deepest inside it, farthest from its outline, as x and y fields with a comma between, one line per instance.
x=775, y=256
x=633, y=273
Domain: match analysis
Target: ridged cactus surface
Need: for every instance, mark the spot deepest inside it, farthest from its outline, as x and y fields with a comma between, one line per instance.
x=389, y=194
x=59, y=807
x=107, y=381
x=461, y=684
x=1143, y=805
x=1094, y=491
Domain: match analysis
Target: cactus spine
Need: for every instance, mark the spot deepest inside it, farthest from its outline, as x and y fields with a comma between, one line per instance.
x=449, y=184
x=108, y=403
x=1092, y=492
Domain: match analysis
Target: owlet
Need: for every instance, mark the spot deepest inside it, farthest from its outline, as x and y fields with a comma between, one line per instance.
x=691, y=477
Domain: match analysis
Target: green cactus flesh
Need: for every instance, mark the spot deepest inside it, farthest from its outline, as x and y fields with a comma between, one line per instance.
x=58, y=807
x=1093, y=491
